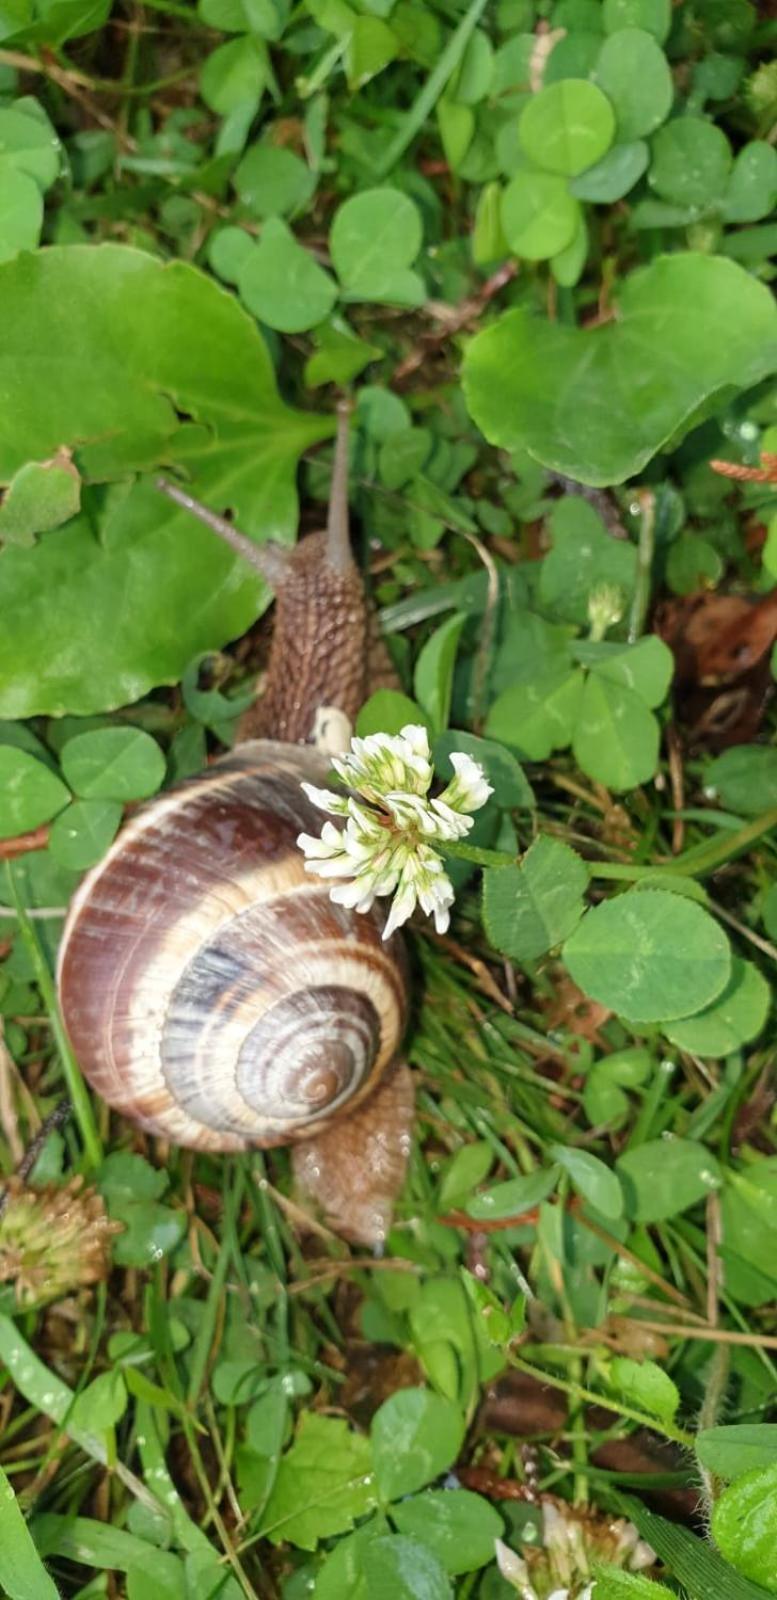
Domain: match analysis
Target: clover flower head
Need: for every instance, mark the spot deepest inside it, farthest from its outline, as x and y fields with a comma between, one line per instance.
x=606, y=605
x=53, y=1241
x=392, y=825
x=573, y=1542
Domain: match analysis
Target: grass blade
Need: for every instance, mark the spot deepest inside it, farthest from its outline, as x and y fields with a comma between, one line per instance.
x=22, y=1573
x=426, y=100
x=698, y=1567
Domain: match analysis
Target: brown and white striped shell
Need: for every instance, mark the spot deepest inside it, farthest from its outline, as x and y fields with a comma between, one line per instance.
x=210, y=988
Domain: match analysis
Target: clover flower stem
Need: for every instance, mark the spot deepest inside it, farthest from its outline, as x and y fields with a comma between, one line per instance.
x=645, y=550
x=76, y=1088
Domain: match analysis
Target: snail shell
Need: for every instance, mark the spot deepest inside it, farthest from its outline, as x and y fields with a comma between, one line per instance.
x=210, y=988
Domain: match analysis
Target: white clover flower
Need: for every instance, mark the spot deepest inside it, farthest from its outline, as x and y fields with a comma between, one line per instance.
x=606, y=604
x=392, y=824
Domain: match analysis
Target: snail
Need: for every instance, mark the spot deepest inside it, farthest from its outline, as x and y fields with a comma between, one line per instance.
x=211, y=990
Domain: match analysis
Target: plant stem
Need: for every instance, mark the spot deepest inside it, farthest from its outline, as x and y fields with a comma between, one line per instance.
x=708, y=857
x=645, y=549
x=76, y=1088
x=425, y=102
x=642, y=1418
x=694, y=863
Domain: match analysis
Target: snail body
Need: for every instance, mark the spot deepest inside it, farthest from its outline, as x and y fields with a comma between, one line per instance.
x=212, y=991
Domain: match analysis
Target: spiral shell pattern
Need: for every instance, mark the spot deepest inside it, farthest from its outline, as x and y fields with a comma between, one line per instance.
x=210, y=988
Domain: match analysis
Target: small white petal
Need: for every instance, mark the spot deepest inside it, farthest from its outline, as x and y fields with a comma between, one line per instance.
x=357, y=896
x=514, y=1570
x=468, y=789
x=417, y=737
x=327, y=800
x=411, y=810
x=402, y=907
x=642, y=1556
x=451, y=824
x=319, y=847
x=472, y=778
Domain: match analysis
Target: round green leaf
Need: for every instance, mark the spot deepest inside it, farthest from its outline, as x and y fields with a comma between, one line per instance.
x=228, y=251
x=30, y=145
x=141, y=586
x=666, y=1176
x=475, y=75
x=612, y=177
x=538, y=717
x=81, y=834
x=282, y=283
x=733, y=1448
x=41, y=495
x=649, y=955
x=415, y=1436
x=597, y=1183
x=634, y=74
x=691, y=162
x=646, y=1385
x=743, y=1524
x=574, y=56
x=734, y=1019
x=583, y=555
x=463, y=1172
x=21, y=211
x=457, y=126
x=458, y=1526
x=567, y=127
x=646, y=667
x=616, y=737
x=113, y=764
x=769, y=911
x=528, y=909
x=693, y=564
x=655, y=16
x=388, y=711
x=403, y=455
x=235, y=74
x=597, y=404
x=539, y=215
x=273, y=182
x=373, y=239
x=396, y=1568
x=29, y=792
x=567, y=266
x=752, y=187
x=744, y=779
x=513, y=1198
